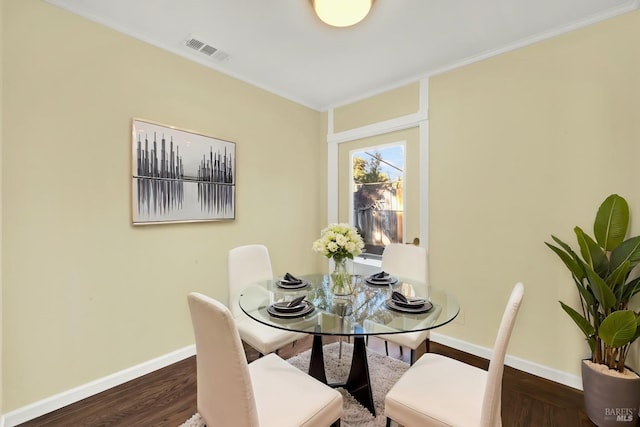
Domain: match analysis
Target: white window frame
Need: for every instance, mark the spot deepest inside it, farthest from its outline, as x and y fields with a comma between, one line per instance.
x=418, y=119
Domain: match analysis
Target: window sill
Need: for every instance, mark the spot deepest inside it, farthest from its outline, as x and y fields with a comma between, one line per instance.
x=366, y=266
x=368, y=260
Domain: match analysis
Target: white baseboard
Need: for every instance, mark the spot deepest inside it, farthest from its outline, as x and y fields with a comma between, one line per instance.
x=50, y=404
x=542, y=371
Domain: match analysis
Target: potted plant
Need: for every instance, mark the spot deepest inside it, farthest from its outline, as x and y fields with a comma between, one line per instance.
x=602, y=275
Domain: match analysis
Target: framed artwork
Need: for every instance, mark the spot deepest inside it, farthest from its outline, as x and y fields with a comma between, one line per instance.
x=180, y=176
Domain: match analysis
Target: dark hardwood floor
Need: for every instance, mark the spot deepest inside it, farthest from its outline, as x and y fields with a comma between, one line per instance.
x=167, y=397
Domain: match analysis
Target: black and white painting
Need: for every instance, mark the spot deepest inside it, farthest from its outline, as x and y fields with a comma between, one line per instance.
x=181, y=176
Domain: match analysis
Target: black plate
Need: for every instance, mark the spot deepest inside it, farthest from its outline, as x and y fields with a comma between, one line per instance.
x=379, y=276
x=285, y=285
x=386, y=282
x=283, y=307
x=393, y=305
x=411, y=304
x=308, y=308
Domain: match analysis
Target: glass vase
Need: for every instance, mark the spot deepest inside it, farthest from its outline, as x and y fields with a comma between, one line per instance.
x=340, y=278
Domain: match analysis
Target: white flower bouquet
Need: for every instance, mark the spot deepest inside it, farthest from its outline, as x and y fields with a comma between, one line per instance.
x=339, y=241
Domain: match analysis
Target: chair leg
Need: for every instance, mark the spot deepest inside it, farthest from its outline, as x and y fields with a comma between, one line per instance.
x=400, y=350
x=413, y=356
x=427, y=341
x=388, y=422
x=386, y=348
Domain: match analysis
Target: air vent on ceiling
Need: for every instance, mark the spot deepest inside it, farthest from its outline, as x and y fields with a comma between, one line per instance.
x=206, y=49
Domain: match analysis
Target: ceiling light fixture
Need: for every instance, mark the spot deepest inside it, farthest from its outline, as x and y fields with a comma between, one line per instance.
x=341, y=13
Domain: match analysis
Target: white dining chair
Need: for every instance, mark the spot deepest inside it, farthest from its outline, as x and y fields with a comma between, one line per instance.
x=268, y=392
x=408, y=262
x=249, y=264
x=440, y=391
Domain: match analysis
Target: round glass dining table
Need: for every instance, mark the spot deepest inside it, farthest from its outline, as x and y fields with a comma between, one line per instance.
x=369, y=310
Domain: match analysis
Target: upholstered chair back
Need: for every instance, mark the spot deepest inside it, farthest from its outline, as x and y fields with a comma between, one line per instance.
x=225, y=392
x=405, y=261
x=246, y=264
x=493, y=388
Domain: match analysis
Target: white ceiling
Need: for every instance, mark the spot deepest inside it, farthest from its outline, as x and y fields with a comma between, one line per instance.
x=281, y=46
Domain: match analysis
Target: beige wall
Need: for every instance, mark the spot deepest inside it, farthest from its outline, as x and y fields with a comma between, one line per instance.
x=522, y=146
x=90, y=294
x=394, y=103
x=323, y=177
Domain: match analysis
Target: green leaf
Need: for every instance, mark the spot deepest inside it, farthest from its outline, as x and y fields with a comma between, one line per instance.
x=573, y=261
x=629, y=250
x=587, y=295
x=618, y=328
x=604, y=295
x=592, y=252
x=616, y=279
x=612, y=220
x=564, y=246
x=568, y=260
x=576, y=266
x=630, y=289
x=584, y=325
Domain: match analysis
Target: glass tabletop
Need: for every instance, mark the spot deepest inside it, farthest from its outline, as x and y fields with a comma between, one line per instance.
x=367, y=311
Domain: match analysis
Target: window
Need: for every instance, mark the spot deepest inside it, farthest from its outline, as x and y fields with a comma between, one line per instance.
x=378, y=204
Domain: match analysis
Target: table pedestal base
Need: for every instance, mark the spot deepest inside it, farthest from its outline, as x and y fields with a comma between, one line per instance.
x=358, y=383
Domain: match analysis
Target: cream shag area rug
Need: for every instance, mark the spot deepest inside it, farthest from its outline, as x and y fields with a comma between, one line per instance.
x=384, y=372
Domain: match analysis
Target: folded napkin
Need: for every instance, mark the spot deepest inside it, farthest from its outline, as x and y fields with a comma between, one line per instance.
x=404, y=301
x=397, y=296
x=284, y=307
x=380, y=276
x=296, y=302
x=290, y=308
x=290, y=279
